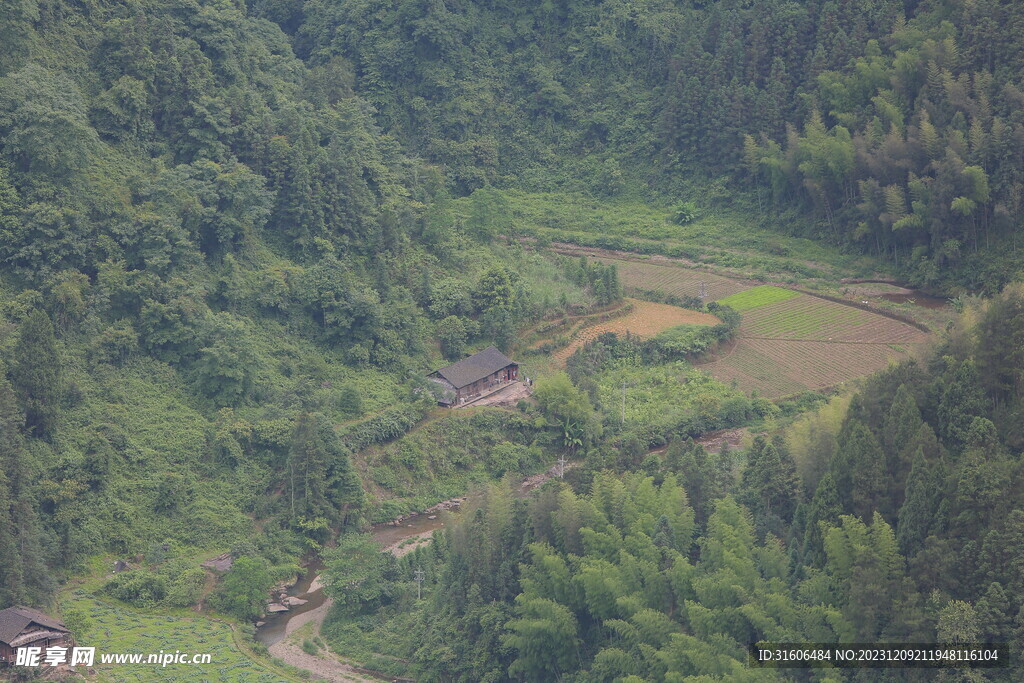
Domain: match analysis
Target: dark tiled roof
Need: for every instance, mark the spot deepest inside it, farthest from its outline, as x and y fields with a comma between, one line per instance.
x=476, y=367
x=13, y=621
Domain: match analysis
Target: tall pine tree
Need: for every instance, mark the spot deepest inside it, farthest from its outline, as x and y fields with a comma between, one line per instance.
x=36, y=373
x=859, y=470
x=901, y=426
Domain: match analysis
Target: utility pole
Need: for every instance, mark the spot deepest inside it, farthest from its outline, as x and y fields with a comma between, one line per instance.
x=418, y=577
x=702, y=292
x=561, y=466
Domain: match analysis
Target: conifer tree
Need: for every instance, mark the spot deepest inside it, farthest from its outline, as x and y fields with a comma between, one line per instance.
x=23, y=571
x=771, y=488
x=12, y=587
x=663, y=535
x=825, y=508
x=12, y=583
x=859, y=470
x=673, y=461
x=960, y=403
x=1000, y=352
x=924, y=488
x=320, y=479
x=36, y=373
x=993, y=610
x=898, y=432
x=703, y=477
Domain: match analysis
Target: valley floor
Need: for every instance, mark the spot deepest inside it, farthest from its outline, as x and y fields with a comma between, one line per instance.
x=796, y=336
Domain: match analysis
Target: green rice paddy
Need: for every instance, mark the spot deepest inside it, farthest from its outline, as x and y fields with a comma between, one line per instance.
x=757, y=297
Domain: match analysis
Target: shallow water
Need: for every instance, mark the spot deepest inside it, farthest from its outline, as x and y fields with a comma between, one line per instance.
x=275, y=628
x=916, y=299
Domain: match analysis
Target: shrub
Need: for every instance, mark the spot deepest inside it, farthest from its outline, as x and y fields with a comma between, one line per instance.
x=388, y=425
x=138, y=587
x=684, y=213
x=244, y=589
x=350, y=402
x=184, y=589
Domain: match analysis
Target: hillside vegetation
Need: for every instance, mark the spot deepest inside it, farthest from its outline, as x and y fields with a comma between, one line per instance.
x=893, y=127
x=221, y=280
x=236, y=236
x=893, y=515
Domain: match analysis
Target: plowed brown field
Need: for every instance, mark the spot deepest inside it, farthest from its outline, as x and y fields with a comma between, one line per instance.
x=780, y=367
x=645, y=320
x=673, y=279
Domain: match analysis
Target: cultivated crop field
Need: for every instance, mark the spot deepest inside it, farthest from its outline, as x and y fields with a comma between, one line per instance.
x=113, y=629
x=753, y=371
x=788, y=342
x=647, y=319
x=756, y=297
x=780, y=367
x=809, y=317
x=673, y=279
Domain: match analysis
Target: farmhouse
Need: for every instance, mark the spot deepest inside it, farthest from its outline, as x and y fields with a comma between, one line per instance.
x=25, y=627
x=474, y=376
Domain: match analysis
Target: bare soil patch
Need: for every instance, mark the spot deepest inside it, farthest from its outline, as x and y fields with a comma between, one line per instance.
x=781, y=367
x=647, y=319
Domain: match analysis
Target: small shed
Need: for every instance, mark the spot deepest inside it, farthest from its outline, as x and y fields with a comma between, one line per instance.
x=475, y=376
x=26, y=627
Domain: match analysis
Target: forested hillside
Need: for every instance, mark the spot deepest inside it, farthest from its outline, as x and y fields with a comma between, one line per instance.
x=236, y=236
x=896, y=127
x=221, y=278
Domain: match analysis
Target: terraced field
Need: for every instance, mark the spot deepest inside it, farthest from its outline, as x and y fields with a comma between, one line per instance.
x=112, y=628
x=780, y=367
x=672, y=279
x=753, y=371
x=646, y=319
x=756, y=297
x=812, y=318
x=788, y=341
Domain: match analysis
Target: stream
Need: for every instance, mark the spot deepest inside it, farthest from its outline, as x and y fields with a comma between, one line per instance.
x=275, y=626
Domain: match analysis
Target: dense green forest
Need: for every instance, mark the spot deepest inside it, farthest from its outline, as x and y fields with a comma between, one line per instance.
x=221, y=278
x=236, y=236
x=895, y=126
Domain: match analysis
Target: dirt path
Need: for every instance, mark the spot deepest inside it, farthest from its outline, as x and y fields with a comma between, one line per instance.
x=328, y=667
x=508, y=395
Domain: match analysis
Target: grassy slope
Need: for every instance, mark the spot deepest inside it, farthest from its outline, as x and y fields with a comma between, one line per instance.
x=729, y=238
x=447, y=456
x=661, y=394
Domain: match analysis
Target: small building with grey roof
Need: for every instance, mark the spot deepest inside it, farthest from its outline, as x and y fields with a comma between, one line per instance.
x=26, y=627
x=474, y=376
